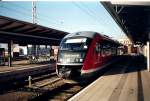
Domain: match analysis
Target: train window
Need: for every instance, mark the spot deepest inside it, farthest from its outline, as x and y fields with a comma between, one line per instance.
x=75, y=44
x=98, y=47
x=114, y=49
x=106, y=49
x=79, y=40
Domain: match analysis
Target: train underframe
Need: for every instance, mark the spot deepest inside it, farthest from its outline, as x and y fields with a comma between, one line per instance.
x=69, y=71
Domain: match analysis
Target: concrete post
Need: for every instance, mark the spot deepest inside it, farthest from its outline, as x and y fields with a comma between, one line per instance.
x=29, y=79
x=10, y=43
x=27, y=50
x=34, y=50
x=148, y=55
x=46, y=52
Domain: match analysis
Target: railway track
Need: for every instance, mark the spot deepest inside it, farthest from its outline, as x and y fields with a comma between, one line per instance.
x=24, y=82
x=23, y=91
x=48, y=87
x=57, y=91
x=45, y=88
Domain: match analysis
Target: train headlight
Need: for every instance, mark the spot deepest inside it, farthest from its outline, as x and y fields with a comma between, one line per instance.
x=60, y=60
x=85, y=47
x=78, y=60
x=68, y=60
x=81, y=60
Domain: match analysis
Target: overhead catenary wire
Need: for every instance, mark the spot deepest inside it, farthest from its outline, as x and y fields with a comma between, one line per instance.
x=40, y=19
x=85, y=9
x=86, y=12
x=41, y=15
x=27, y=14
x=98, y=17
x=26, y=11
x=15, y=11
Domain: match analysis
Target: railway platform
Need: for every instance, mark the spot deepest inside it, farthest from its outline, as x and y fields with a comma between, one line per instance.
x=127, y=81
x=22, y=69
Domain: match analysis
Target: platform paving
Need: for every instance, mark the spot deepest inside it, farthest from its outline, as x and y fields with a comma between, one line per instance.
x=126, y=81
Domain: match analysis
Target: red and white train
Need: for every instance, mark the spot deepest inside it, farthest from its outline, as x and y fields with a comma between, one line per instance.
x=84, y=53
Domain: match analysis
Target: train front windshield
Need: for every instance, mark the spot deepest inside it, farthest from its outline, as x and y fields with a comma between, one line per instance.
x=73, y=50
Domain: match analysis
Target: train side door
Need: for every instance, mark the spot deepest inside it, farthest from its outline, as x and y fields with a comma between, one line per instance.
x=105, y=52
x=98, y=54
x=102, y=53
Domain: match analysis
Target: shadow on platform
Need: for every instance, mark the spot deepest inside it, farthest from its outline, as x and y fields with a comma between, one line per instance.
x=129, y=63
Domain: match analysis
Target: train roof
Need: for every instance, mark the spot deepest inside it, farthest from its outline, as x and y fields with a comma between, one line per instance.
x=88, y=34
x=91, y=34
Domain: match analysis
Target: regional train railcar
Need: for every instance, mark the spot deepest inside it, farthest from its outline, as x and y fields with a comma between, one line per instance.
x=84, y=53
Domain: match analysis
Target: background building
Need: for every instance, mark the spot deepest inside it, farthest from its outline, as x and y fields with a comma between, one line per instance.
x=128, y=43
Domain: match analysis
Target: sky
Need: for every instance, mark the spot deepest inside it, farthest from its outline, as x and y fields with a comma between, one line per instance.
x=69, y=16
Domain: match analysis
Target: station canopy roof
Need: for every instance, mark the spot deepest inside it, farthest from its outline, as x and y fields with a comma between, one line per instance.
x=23, y=33
x=132, y=17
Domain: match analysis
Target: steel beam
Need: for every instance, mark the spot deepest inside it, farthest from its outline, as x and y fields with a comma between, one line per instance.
x=31, y=36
